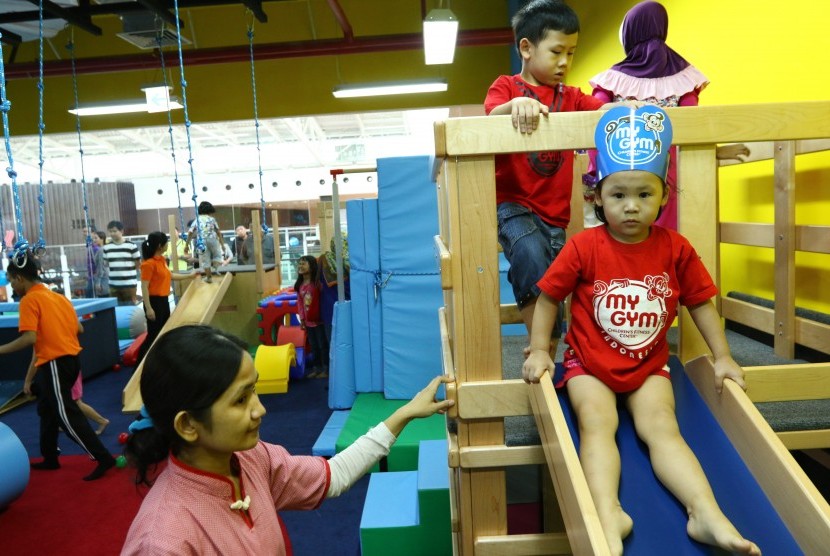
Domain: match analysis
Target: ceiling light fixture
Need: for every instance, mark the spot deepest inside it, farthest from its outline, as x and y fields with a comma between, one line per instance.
x=440, y=32
x=156, y=99
x=389, y=88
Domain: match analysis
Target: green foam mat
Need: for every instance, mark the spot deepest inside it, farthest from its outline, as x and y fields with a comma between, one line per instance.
x=369, y=409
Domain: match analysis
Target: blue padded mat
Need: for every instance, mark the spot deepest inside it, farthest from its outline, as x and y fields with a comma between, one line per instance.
x=411, y=296
x=364, y=259
x=659, y=519
x=408, y=209
x=506, y=297
x=411, y=334
x=341, y=358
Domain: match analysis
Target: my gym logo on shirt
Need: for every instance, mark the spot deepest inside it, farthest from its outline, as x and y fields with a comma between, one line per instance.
x=632, y=312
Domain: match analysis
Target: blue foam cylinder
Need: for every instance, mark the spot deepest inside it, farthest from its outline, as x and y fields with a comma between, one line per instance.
x=14, y=462
x=341, y=358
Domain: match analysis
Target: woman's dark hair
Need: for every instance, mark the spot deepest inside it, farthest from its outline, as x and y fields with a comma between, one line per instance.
x=312, y=267
x=150, y=245
x=29, y=271
x=537, y=17
x=187, y=369
x=206, y=208
x=101, y=235
x=600, y=212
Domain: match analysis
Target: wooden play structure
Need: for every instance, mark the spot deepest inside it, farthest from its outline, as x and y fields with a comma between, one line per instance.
x=470, y=324
x=229, y=302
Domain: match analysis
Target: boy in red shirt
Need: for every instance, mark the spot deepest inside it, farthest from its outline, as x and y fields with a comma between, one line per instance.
x=48, y=323
x=533, y=190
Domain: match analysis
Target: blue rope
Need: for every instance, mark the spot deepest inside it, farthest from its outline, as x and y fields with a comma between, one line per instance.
x=90, y=256
x=380, y=278
x=200, y=244
x=20, y=253
x=40, y=246
x=265, y=228
x=182, y=232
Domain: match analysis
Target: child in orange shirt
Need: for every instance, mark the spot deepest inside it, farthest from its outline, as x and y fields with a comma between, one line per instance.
x=48, y=323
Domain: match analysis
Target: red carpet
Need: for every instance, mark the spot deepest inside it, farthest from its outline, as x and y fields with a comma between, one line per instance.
x=59, y=513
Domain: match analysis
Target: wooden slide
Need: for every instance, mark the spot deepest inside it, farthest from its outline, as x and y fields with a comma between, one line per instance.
x=197, y=306
x=739, y=451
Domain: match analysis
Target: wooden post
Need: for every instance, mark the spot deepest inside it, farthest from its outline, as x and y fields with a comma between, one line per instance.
x=784, y=178
x=697, y=220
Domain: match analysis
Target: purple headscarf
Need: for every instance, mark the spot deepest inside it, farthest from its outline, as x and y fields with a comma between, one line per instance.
x=643, y=35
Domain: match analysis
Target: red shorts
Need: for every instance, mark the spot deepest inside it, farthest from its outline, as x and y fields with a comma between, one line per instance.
x=573, y=367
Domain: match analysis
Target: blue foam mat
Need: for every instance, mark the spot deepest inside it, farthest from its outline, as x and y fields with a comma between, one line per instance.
x=433, y=473
x=408, y=209
x=364, y=259
x=341, y=358
x=659, y=519
x=411, y=335
x=326, y=443
x=391, y=500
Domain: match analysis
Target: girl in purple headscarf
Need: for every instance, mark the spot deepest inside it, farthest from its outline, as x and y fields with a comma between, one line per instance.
x=652, y=72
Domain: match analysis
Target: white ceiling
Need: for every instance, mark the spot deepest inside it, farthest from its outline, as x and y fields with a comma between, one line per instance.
x=326, y=141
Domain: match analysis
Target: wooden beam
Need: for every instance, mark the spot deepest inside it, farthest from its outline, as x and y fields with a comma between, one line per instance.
x=784, y=249
x=805, y=440
x=798, y=502
x=693, y=125
x=481, y=457
x=580, y=515
x=697, y=218
x=509, y=314
x=808, y=333
x=493, y=398
x=780, y=383
x=540, y=544
x=444, y=263
x=764, y=150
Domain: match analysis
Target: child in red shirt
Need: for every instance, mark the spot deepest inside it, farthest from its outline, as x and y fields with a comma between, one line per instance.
x=307, y=287
x=627, y=278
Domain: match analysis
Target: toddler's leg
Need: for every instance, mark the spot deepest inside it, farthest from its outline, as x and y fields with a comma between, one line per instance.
x=596, y=410
x=674, y=463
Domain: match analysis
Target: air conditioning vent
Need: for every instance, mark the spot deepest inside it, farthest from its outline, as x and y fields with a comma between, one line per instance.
x=142, y=28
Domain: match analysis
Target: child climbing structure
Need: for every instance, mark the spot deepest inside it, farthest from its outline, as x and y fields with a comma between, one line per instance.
x=472, y=316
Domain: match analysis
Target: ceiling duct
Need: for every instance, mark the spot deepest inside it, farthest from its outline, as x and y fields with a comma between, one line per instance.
x=141, y=28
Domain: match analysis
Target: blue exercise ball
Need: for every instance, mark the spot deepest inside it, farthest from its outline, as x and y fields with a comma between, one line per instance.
x=14, y=461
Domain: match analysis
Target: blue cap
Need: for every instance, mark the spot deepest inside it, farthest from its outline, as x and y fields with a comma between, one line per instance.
x=633, y=139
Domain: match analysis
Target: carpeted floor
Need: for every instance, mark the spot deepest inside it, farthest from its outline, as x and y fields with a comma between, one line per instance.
x=294, y=420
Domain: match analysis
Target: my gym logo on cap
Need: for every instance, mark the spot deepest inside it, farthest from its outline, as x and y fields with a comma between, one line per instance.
x=633, y=139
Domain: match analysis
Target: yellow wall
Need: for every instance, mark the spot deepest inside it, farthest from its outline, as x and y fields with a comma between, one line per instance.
x=752, y=52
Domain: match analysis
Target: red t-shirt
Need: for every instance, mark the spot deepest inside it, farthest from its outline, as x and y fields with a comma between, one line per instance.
x=308, y=304
x=52, y=317
x=625, y=297
x=540, y=181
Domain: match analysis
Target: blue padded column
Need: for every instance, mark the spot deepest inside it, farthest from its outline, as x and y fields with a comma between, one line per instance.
x=411, y=293
x=341, y=358
x=364, y=259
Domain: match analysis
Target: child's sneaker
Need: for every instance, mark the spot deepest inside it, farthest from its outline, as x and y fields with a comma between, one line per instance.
x=207, y=279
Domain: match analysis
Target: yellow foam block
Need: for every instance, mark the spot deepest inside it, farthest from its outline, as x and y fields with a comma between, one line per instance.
x=273, y=363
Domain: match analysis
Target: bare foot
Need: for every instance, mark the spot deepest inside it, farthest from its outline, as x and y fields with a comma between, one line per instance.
x=716, y=530
x=616, y=527
x=102, y=427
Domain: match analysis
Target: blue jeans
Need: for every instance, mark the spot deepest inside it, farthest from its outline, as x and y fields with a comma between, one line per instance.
x=530, y=244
